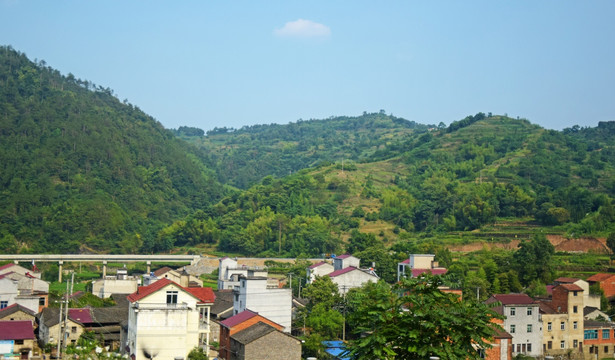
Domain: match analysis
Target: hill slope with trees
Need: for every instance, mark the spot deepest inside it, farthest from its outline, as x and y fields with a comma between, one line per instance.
x=242, y=157
x=82, y=171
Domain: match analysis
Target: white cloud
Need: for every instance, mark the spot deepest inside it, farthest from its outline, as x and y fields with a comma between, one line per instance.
x=303, y=29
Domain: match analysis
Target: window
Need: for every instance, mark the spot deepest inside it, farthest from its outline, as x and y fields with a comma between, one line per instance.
x=41, y=301
x=513, y=311
x=18, y=342
x=512, y=329
x=549, y=345
x=606, y=333
x=549, y=326
x=590, y=334
x=3, y=304
x=73, y=329
x=529, y=348
x=574, y=293
x=575, y=325
x=575, y=309
x=562, y=326
x=606, y=349
x=518, y=348
x=575, y=343
x=529, y=311
x=171, y=297
x=529, y=328
x=562, y=344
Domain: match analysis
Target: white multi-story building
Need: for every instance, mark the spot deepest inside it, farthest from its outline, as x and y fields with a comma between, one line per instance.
x=522, y=320
x=274, y=303
x=229, y=272
x=166, y=320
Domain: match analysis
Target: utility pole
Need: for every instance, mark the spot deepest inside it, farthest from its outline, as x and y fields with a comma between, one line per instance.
x=65, y=317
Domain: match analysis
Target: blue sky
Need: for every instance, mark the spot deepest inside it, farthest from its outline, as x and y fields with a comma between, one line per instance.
x=234, y=63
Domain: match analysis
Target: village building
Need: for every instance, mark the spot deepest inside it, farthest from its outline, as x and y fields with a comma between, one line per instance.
x=237, y=323
x=319, y=269
x=521, y=320
x=599, y=339
x=606, y=282
x=17, y=312
x=17, y=339
x=589, y=299
x=562, y=319
x=121, y=283
x=344, y=261
x=418, y=264
x=351, y=277
x=263, y=341
x=24, y=289
x=167, y=320
x=272, y=302
x=179, y=276
x=229, y=273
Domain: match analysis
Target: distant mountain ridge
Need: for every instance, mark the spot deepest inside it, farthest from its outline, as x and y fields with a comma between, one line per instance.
x=244, y=156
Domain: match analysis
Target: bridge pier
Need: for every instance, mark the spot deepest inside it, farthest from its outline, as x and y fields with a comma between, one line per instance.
x=60, y=263
x=104, y=269
x=149, y=267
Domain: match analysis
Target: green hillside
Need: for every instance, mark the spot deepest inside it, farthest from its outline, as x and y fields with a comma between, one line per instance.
x=82, y=171
x=244, y=156
x=448, y=184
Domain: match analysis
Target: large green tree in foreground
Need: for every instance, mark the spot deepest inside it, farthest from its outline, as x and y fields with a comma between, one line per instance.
x=415, y=320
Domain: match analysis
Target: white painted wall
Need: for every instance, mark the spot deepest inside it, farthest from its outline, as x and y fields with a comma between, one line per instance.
x=273, y=303
x=352, y=279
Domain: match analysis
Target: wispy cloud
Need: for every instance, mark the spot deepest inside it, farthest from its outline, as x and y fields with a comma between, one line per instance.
x=303, y=29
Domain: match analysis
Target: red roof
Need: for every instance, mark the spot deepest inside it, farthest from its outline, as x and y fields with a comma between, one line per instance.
x=204, y=294
x=514, y=299
x=436, y=271
x=239, y=318
x=317, y=264
x=6, y=266
x=16, y=330
x=566, y=280
x=81, y=315
x=143, y=291
x=407, y=261
x=343, y=256
x=343, y=271
x=162, y=271
x=571, y=287
x=600, y=277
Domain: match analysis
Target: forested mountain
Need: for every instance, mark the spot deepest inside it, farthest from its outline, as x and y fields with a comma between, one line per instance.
x=82, y=171
x=244, y=156
x=448, y=180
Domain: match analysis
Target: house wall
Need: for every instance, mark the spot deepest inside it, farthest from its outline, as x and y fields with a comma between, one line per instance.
x=167, y=330
x=521, y=321
x=421, y=261
x=322, y=270
x=608, y=286
x=274, y=304
x=273, y=346
x=602, y=347
x=29, y=301
x=103, y=288
x=17, y=316
x=8, y=291
x=352, y=279
x=27, y=285
x=339, y=263
x=50, y=334
x=500, y=350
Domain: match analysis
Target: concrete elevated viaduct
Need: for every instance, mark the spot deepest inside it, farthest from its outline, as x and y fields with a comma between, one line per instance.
x=104, y=259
